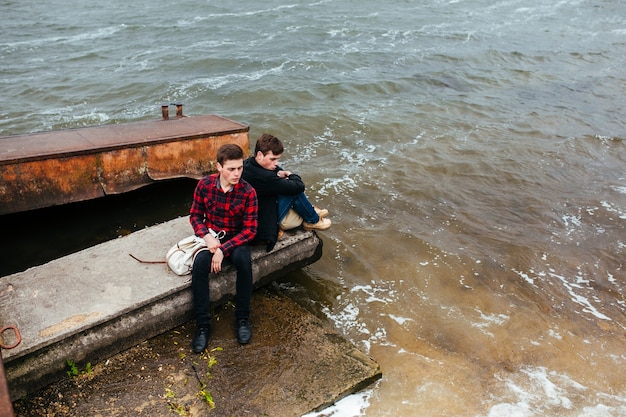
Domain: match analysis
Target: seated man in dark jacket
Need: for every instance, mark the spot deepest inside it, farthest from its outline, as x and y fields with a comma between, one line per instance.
x=278, y=191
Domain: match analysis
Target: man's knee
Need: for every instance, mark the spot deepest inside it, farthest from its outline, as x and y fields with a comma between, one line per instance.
x=201, y=263
x=241, y=256
x=242, y=252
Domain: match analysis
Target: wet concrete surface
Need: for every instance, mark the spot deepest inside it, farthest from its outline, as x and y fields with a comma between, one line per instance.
x=295, y=363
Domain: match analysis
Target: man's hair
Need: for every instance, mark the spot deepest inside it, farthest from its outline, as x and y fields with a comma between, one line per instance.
x=268, y=143
x=229, y=152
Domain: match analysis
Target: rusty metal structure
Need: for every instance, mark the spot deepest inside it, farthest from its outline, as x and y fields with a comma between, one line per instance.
x=53, y=168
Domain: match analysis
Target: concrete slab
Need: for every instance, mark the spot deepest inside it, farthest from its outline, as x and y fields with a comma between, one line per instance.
x=100, y=301
x=295, y=363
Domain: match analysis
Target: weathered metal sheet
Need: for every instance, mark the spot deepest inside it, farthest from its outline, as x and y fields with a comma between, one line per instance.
x=123, y=170
x=52, y=168
x=193, y=158
x=48, y=182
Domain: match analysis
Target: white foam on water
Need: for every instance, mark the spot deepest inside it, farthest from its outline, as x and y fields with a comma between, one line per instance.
x=77, y=115
x=90, y=35
x=348, y=317
x=578, y=287
x=620, y=189
x=612, y=208
x=337, y=185
x=242, y=12
x=400, y=320
x=537, y=391
x=588, y=307
x=571, y=220
x=374, y=294
x=351, y=406
x=487, y=320
x=525, y=276
x=510, y=410
x=217, y=82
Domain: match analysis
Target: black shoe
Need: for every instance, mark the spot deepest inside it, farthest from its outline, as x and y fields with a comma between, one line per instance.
x=244, y=331
x=201, y=339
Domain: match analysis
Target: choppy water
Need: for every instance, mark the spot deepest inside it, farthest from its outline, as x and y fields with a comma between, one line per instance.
x=471, y=153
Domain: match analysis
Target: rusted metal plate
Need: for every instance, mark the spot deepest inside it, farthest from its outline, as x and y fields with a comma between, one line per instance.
x=48, y=182
x=192, y=158
x=123, y=170
x=52, y=168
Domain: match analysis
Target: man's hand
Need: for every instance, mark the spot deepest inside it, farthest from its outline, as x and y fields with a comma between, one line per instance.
x=216, y=262
x=283, y=174
x=211, y=243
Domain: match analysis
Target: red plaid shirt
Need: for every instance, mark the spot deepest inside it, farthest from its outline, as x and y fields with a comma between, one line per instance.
x=234, y=212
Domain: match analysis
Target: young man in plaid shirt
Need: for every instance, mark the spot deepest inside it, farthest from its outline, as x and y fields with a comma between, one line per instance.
x=223, y=204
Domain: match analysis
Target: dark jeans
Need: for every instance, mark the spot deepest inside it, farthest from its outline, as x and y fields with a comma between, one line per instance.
x=301, y=204
x=242, y=261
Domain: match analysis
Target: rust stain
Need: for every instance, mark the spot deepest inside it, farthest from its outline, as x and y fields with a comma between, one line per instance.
x=123, y=170
x=68, y=323
x=194, y=158
x=49, y=182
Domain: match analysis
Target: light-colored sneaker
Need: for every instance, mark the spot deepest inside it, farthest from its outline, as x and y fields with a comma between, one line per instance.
x=323, y=224
x=320, y=211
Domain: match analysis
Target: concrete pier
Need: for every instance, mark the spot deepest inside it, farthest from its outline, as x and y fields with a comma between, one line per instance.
x=98, y=302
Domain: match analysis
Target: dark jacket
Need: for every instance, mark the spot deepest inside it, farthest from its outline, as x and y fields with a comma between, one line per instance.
x=268, y=187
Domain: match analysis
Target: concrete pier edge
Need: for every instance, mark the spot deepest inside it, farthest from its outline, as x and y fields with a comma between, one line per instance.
x=93, y=304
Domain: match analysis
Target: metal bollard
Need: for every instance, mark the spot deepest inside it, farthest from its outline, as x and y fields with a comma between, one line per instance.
x=179, y=109
x=165, y=111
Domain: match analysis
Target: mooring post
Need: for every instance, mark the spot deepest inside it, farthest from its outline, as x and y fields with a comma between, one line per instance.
x=165, y=111
x=179, y=109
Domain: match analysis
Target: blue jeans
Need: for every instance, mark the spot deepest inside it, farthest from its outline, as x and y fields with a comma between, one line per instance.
x=301, y=204
x=242, y=261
